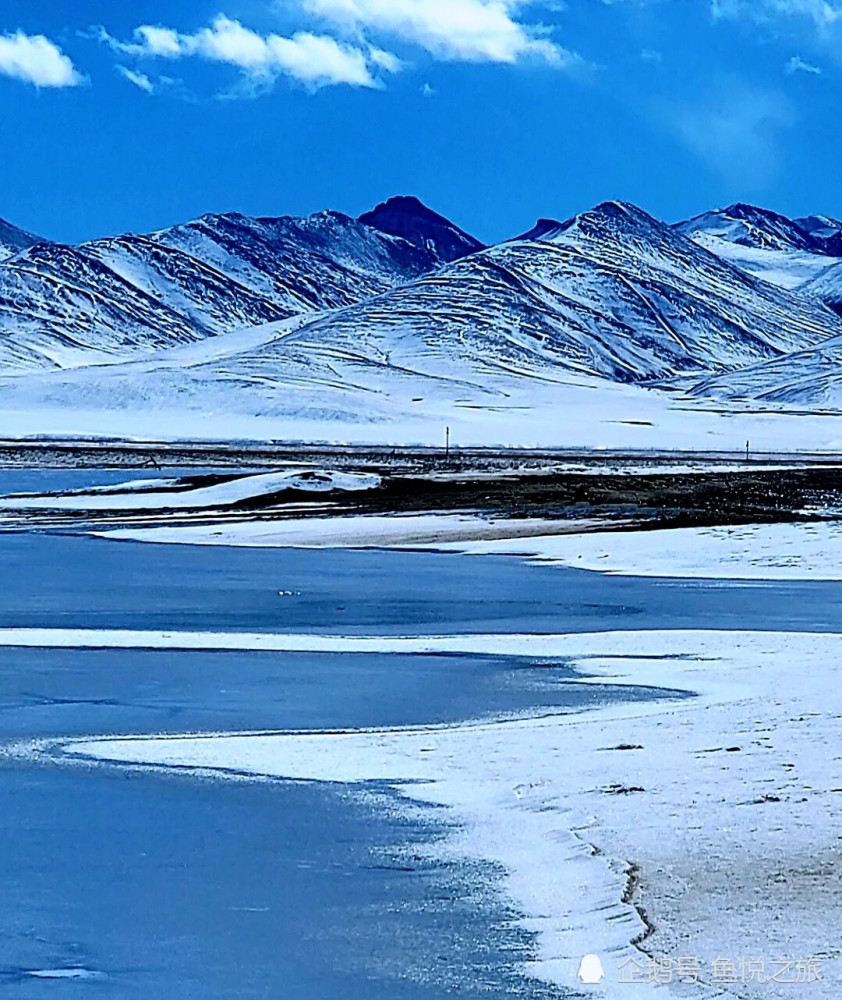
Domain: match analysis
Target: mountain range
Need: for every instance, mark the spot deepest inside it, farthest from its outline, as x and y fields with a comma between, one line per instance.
x=329, y=316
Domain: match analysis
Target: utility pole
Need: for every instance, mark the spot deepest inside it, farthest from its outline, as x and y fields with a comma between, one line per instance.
x=447, y=442
x=747, y=446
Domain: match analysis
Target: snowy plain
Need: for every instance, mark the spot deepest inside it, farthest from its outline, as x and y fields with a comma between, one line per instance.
x=590, y=415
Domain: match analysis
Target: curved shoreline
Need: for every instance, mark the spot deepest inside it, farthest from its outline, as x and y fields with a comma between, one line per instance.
x=534, y=794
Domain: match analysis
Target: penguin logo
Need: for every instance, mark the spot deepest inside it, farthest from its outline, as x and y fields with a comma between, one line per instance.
x=590, y=970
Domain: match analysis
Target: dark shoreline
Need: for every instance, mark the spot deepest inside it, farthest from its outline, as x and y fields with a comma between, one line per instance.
x=627, y=493
x=88, y=453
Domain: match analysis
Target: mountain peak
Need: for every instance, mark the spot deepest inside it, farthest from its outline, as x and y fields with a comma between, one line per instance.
x=622, y=212
x=543, y=229
x=406, y=204
x=611, y=216
x=825, y=230
x=409, y=218
x=610, y=219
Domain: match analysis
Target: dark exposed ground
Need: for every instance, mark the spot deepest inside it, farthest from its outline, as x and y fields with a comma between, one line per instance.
x=681, y=498
x=667, y=491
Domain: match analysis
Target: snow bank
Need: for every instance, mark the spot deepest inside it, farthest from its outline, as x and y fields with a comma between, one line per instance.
x=807, y=551
x=726, y=805
x=358, y=531
x=804, y=551
x=220, y=495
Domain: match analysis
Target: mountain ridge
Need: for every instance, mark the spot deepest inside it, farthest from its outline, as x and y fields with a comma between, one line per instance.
x=221, y=272
x=14, y=239
x=401, y=303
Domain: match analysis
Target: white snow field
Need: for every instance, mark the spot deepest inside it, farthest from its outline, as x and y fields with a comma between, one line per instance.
x=717, y=815
x=582, y=413
x=790, y=269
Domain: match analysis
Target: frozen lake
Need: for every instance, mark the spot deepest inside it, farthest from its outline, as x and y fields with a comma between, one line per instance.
x=152, y=884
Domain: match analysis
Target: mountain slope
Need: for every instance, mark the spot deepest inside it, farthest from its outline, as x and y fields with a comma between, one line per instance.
x=111, y=299
x=612, y=293
x=810, y=378
x=13, y=240
x=323, y=261
x=826, y=285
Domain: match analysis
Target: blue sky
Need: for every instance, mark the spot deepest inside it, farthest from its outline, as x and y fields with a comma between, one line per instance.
x=133, y=116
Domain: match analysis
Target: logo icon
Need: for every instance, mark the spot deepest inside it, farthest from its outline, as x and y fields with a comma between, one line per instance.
x=590, y=970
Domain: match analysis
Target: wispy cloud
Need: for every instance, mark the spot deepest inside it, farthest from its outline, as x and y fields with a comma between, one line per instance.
x=822, y=13
x=140, y=80
x=311, y=59
x=798, y=65
x=737, y=130
x=463, y=30
x=35, y=59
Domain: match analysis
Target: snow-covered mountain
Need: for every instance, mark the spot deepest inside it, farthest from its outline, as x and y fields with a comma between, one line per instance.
x=13, y=240
x=110, y=299
x=768, y=245
x=323, y=261
x=749, y=226
x=803, y=379
x=610, y=297
x=612, y=293
x=399, y=316
x=825, y=230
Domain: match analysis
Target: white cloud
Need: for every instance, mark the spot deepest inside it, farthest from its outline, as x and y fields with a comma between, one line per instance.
x=798, y=65
x=316, y=60
x=467, y=30
x=35, y=59
x=385, y=60
x=823, y=13
x=736, y=129
x=140, y=80
x=158, y=41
